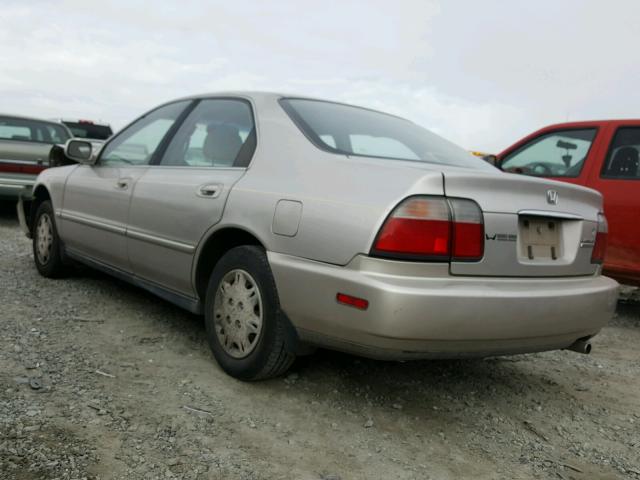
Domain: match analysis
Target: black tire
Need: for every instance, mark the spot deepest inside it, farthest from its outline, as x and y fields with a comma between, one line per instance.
x=273, y=350
x=51, y=265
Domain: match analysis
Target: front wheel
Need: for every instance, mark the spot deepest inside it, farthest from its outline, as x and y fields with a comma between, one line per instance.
x=47, y=248
x=247, y=332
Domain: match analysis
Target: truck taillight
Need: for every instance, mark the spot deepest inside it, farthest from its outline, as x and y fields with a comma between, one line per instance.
x=432, y=229
x=600, y=246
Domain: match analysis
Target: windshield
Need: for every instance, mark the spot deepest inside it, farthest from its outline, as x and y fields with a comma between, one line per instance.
x=89, y=130
x=348, y=130
x=557, y=154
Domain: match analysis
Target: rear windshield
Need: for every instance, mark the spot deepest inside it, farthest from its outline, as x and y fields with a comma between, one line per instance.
x=89, y=130
x=26, y=130
x=348, y=130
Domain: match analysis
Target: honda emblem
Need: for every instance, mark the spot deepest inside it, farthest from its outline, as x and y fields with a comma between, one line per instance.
x=552, y=197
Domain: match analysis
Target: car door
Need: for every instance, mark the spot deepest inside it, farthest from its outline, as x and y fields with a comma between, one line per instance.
x=178, y=199
x=618, y=179
x=96, y=200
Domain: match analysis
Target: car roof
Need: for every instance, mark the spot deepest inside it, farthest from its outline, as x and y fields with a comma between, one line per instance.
x=591, y=123
x=84, y=121
x=257, y=94
x=262, y=95
x=33, y=119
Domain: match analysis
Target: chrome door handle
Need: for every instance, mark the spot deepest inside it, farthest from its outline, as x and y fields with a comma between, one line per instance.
x=209, y=191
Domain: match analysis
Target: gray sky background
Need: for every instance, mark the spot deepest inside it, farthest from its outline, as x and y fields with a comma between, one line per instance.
x=481, y=73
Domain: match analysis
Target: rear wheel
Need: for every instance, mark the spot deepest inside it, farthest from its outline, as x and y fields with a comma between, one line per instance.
x=247, y=332
x=47, y=248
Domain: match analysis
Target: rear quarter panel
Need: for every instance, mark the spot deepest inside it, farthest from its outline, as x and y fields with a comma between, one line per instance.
x=344, y=200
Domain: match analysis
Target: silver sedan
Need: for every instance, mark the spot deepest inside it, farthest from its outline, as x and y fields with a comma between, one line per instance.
x=293, y=222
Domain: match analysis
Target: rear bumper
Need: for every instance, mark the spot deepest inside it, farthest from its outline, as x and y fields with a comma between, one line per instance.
x=420, y=311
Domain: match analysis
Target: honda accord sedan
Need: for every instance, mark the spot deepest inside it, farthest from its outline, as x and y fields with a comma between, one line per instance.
x=293, y=223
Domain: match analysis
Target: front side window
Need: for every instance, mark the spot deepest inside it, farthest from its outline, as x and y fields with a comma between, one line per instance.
x=136, y=144
x=557, y=154
x=217, y=133
x=623, y=159
x=26, y=130
x=355, y=131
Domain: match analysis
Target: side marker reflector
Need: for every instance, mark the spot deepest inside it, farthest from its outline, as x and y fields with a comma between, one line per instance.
x=359, y=303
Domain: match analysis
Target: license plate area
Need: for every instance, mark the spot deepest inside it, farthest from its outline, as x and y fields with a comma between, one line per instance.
x=539, y=238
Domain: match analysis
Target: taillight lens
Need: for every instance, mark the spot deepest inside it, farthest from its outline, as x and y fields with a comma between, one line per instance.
x=432, y=228
x=600, y=247
x=468, y=230
x=33, y=169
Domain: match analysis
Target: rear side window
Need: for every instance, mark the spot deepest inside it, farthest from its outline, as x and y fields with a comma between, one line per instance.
x=25, y=130
x=217, y=133
x=557, y=154
x=623, y=159
x=355, y=131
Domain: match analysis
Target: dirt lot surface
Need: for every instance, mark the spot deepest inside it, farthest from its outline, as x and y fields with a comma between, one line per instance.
x=102, y=380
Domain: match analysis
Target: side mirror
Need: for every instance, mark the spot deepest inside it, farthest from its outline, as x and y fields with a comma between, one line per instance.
x=492, y=159
x=79, y=151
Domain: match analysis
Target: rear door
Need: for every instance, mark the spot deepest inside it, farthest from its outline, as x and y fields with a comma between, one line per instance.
x=97, y=197
x=617, y=177
x=178, y=199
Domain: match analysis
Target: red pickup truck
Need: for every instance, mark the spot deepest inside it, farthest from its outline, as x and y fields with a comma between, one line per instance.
x=603, y=155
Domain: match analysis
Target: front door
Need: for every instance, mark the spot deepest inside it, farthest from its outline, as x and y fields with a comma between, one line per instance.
x=618, y=179
x=95, y=207
x=176, y=201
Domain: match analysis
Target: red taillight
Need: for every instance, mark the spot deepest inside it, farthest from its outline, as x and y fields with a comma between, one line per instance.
x=419, y=226
x=600, y=246
x=468, y=230
x=433, y=228
x=21, y=168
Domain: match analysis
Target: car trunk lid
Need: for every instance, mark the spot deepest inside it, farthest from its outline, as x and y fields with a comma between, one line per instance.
x=533, y=227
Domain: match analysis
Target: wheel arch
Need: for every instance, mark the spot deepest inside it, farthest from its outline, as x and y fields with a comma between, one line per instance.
x=213, y=247
x=40, y=194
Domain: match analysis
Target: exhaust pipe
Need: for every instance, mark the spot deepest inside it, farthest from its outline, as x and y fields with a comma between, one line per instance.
x=581, y=346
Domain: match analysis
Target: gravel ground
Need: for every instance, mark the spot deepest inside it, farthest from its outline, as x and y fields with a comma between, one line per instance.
x=102, y=380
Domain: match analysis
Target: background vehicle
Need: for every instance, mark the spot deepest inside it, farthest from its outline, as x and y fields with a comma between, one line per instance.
x=25, y=144
x=290, y=221
x=88, y=129
x=94, y=132
x=603, y=155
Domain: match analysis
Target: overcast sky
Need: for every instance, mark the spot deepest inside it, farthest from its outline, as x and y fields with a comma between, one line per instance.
x=481, y=73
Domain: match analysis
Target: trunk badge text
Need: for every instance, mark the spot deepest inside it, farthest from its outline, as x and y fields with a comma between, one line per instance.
x=552, y=197
x=502, y=237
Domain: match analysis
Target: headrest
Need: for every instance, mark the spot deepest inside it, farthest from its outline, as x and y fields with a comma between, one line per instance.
x=222, y=144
